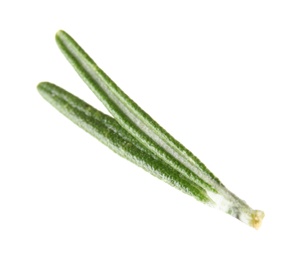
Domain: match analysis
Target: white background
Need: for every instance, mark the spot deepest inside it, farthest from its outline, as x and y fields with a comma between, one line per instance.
x=218, y=75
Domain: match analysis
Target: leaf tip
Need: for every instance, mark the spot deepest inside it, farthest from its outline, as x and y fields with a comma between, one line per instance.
x=60, y=36
x=60, y=33
x=40, y=86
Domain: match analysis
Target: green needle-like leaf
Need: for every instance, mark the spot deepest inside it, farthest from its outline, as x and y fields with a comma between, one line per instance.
x=109, y=132
x=123, y=109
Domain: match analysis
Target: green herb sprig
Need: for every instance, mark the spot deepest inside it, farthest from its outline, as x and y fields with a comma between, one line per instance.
x=133, y=134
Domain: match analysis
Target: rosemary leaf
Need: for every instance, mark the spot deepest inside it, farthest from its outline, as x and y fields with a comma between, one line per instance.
x=109, y=132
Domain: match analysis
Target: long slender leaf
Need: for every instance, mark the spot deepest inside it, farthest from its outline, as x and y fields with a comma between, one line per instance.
x=108, y=131
x=121, y=106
